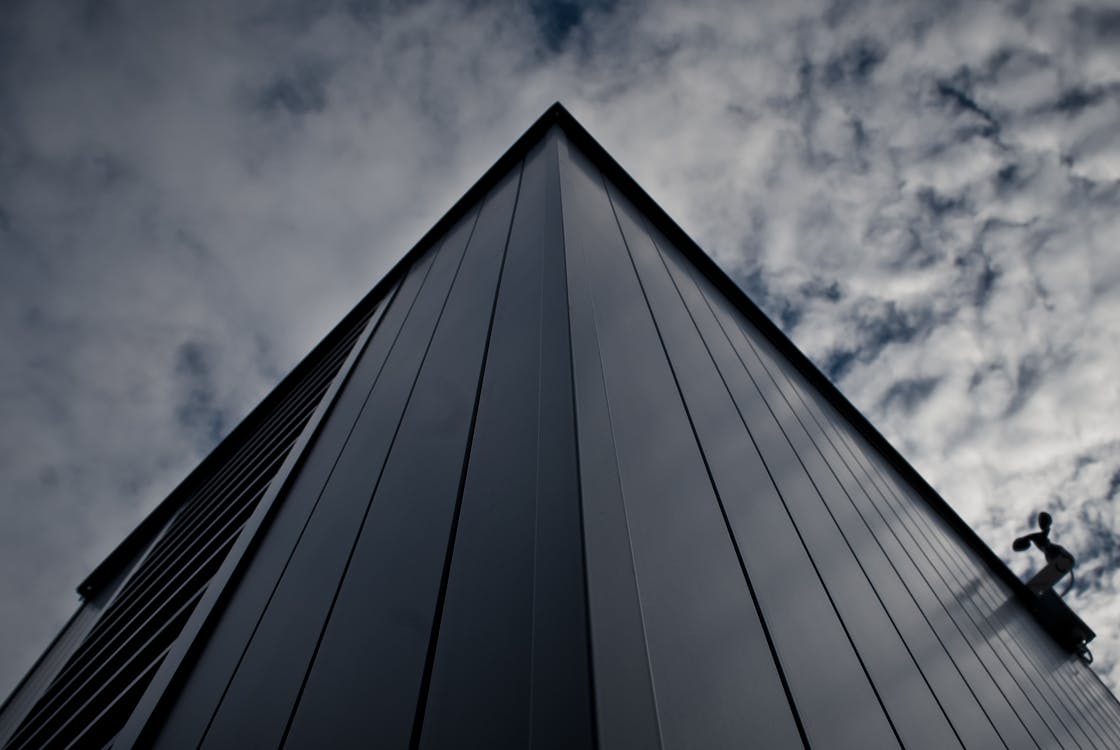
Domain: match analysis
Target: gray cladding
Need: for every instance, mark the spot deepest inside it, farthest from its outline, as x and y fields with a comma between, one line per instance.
x=566, y=492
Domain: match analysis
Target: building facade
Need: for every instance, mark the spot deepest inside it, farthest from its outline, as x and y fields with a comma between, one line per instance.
x=556, y=483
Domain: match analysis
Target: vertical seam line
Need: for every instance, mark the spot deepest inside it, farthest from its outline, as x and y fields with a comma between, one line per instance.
x=315, y=505
x=711, y=480
x=594, y=707
x=373, y=493
x=433, y=640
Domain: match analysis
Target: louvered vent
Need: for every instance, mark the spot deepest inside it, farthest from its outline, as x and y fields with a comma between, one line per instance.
x=95, y=692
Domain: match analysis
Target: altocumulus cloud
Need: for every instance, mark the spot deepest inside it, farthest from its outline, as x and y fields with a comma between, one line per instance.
x=924, y=195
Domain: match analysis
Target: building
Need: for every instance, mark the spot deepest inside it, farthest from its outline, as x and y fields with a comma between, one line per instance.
x=556, y=483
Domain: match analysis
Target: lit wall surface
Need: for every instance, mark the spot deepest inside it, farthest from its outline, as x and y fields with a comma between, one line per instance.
x=550, y=486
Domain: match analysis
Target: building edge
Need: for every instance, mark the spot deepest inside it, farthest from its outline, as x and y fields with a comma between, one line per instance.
x=1051, y=612
x=122, y=557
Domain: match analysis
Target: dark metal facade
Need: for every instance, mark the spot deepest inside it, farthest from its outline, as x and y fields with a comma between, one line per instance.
x=109, y=652
x=568, y=489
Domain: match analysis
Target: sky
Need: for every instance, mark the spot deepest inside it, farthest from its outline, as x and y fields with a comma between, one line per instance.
x=925, y=196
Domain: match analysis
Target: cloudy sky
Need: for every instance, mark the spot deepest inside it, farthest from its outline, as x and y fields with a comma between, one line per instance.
x=925, y=196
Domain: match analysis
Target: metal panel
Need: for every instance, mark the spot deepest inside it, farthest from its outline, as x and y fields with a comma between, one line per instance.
x=1007, y=685
x=626, y=715
x=939, y=605
x=28, y=691
x=702, y=630
x=934, y=568
x=97, y=690
x=320, y=372
x=1036, y=654
x=870, y=632
x=510, y=665
x=1092, y=692
x=805, y=626
x=971, y=704
x=874, y=592
x=973, y=590
x=725, y=441
x=378, y=635
x=1088, y=693
x=258, y=702
x=197, y=700
x=562, y=710
x=998, y=614
x=960, y=598
x=881, y=557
